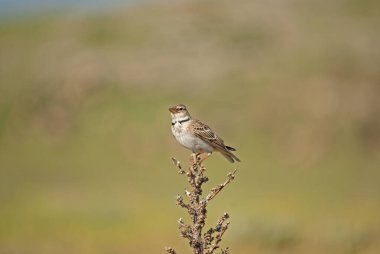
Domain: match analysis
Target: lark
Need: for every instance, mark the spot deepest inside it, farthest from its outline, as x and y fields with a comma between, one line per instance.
x=197, y=136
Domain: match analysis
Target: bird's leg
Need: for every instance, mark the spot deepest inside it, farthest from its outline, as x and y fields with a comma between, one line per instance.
x=204, y=158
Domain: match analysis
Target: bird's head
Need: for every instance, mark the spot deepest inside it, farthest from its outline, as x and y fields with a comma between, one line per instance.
x=179, y=111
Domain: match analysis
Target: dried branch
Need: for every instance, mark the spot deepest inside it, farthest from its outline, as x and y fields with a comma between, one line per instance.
x=170, y=250
x=180, y=202
x=226, y=251
x=178, y=165
x=215, y=191
x=208, y=242
x=211, y=241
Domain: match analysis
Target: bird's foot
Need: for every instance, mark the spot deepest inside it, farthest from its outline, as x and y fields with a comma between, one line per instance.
x=204, y=158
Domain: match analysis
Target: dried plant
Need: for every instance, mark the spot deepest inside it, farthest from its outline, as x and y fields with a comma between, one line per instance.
x=209, y=241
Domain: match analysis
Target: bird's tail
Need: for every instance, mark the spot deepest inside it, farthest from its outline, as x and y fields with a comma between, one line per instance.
x=230, y=148
x=229, y=155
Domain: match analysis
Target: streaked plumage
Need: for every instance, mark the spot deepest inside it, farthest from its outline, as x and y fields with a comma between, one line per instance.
x=197, y=136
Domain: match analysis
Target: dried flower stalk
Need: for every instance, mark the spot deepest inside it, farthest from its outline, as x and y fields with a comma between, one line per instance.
x=208, y=242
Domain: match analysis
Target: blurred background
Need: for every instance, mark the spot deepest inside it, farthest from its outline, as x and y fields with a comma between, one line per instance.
x=85, y=140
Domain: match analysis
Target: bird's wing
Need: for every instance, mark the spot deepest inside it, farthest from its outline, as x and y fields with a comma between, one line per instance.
x=205, y=133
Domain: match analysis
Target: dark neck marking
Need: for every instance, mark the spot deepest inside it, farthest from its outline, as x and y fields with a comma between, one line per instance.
x=181, y=121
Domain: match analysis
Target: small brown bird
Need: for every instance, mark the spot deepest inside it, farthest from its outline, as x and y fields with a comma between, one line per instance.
x=197, y=136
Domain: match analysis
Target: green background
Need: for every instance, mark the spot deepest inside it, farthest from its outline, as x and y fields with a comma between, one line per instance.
x=85, y=140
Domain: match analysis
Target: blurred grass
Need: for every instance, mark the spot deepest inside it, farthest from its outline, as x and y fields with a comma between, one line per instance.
x=85, y=143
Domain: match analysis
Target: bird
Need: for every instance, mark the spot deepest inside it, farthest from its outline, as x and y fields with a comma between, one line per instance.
x=197, y=136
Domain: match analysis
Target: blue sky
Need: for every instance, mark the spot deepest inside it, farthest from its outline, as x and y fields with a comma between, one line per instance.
x=19, y=7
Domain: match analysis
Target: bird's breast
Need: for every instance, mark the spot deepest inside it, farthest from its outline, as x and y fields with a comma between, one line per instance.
x=187, y=139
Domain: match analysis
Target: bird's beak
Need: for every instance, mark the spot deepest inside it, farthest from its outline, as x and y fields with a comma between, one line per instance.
x=172, y=109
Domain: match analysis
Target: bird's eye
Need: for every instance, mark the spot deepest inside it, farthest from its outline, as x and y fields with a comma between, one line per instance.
x=180, y=108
